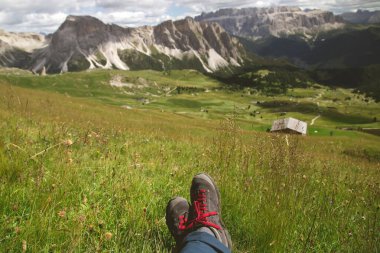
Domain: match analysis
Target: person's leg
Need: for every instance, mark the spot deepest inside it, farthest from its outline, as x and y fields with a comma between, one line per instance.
x=200, y=228
x=203, y=242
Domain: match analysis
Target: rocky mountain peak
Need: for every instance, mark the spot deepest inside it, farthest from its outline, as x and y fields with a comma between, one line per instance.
x=82, y=25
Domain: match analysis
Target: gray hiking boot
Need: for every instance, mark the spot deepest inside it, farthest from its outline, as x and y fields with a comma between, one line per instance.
x=176, y=217
x=205, y=210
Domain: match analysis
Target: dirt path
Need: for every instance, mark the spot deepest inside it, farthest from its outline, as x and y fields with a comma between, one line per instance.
x=313, y=120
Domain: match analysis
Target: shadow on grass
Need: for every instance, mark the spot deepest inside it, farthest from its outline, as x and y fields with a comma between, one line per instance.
x=345, y=118
x=288, y=106
x=329, y=113
x=369, y=154
x=190, y=103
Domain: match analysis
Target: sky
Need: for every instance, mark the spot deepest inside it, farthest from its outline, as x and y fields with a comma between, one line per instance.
x=45, y=16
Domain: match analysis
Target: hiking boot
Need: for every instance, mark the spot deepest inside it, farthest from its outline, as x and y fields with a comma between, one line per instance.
x=176, y=216
x=205, y=210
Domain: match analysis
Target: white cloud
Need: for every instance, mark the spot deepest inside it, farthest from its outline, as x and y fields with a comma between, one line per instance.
x=130, y=19
x=43, y=6
x=143, y=5
x=46, y=16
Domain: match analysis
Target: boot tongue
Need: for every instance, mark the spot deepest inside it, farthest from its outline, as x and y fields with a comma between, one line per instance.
x=205, y=230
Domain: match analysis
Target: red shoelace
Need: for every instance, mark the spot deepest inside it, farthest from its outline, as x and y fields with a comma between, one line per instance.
x=201, y=213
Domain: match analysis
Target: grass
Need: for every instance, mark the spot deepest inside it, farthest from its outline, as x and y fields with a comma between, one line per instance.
x=191, y=93
x=107, y=173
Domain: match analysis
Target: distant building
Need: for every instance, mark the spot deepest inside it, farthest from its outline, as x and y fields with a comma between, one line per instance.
x=289, y=125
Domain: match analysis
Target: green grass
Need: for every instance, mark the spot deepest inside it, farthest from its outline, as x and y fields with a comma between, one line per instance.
x=318, y=193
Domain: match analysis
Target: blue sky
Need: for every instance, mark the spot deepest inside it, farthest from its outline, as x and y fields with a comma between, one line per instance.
x=46, y=15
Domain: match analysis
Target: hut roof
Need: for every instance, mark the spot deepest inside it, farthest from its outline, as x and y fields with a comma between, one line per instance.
x=292, y=124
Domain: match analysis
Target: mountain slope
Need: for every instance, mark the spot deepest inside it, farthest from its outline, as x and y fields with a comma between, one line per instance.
x=344, y=48
x=362, y=17
x=83, y=42
x=16, y=48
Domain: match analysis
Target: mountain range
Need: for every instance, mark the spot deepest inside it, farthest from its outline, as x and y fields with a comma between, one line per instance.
x=256, y=23
x=211, y=42
x=84, y=42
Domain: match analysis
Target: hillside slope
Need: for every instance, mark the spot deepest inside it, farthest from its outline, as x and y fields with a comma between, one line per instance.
x=354, y=46
x=82, y=173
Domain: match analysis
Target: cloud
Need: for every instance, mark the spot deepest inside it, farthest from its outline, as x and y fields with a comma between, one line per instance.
x=131, y=19
x=142, y=5
x=46, y=16
x=43, y=6
x=38, y=15
x=32, y=22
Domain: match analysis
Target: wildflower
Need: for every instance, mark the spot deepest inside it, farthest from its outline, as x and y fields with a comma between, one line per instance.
x=68, y=142
x=62, y=213
x=108, y=236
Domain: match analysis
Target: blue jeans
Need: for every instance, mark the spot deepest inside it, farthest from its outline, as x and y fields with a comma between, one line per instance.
x=200, y=242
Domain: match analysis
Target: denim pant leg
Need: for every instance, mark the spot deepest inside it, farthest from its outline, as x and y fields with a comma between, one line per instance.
x=200, y=242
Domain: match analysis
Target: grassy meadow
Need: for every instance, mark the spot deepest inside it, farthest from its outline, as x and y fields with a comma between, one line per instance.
x=89, y=167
